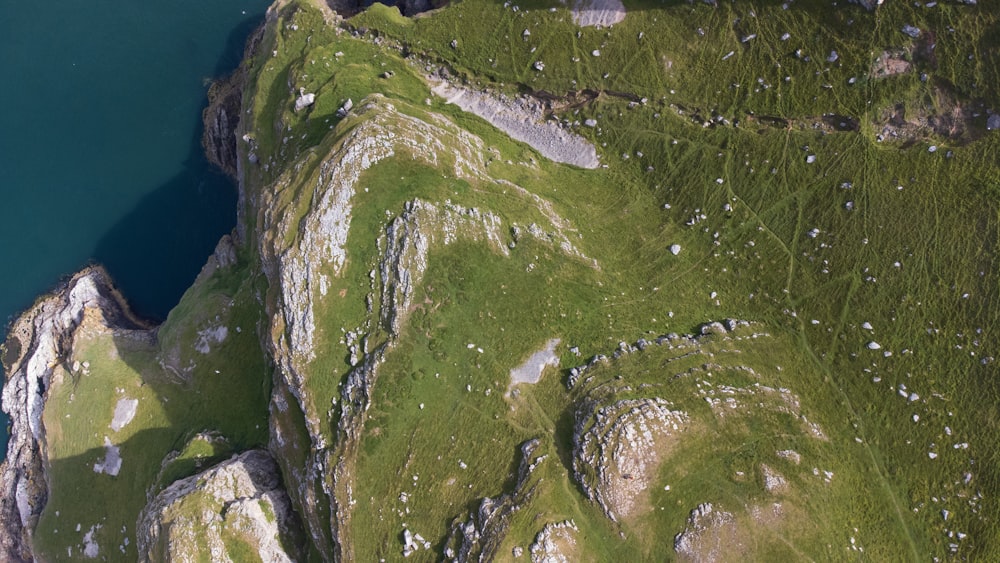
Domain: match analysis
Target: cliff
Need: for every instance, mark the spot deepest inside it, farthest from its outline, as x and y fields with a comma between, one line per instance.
x=38, y=343
x=433, y=207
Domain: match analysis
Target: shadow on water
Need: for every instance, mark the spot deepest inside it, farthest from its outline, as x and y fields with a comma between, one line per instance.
x=153, y=255
x=155, y=252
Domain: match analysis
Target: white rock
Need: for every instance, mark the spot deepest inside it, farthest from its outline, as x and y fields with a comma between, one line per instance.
x=675, y=249
x=304, y=101
x=874, y=345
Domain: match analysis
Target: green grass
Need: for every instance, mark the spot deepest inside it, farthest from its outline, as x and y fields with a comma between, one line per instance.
x=774, y=243
x=227, y=394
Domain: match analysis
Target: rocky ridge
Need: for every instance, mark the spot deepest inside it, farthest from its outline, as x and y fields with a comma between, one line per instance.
x=303, y=255
x=38, y=342
x=240, y=497
x=479, y=538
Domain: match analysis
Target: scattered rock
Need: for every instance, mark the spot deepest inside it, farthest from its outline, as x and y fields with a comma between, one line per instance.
x=344, y=109
x=774, y=482
x=791, y=455
x=304, y=101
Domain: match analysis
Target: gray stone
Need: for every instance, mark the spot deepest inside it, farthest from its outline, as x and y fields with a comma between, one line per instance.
x=304, y=101
x=344, y=109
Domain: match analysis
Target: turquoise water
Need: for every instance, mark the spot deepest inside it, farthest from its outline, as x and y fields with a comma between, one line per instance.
x=100, y=108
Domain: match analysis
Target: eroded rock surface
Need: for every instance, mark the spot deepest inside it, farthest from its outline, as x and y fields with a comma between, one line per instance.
x=556, y=543
x=710, y=535
x=237, y=501
x=38, y=342
x=616, y=458
x=479, y=538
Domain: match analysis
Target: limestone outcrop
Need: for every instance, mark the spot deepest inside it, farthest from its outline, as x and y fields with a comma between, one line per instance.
x=39, y=341
x=239, y=501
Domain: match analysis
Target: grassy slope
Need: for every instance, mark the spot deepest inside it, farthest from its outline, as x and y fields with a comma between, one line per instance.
x=227, y=394
x=765, y=266
x=812, y=293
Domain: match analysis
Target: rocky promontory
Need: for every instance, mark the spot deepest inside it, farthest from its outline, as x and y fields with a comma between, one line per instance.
x=39, y=342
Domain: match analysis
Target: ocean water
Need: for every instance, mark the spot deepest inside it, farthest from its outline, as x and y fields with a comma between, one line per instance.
x=100, y=157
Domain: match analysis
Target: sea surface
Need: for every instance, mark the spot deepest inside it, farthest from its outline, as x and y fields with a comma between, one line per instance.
x=100, y=156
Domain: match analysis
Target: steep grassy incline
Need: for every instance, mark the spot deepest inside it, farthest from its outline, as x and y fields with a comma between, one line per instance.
x=459, y=345
x=417, y=255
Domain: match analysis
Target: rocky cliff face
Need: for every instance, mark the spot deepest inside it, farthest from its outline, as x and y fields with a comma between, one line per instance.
x=221, y=119
x=41, y=339
x=479, y=538
x=304, y=257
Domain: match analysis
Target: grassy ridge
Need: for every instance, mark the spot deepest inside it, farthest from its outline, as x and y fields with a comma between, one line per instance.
x=888, y=234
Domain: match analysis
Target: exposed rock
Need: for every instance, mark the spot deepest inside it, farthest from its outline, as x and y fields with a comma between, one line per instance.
x=479, y=538
x=867, y=4
x=302, y=255
x=39, y=342
x=348, y=8
x=346, y=108
x=946, y=115
x=890, y=63
x=523, y=118
x=304, y=100
x=221, y=118
x=774, y=482
x=240, y=498
x=531, y=370
x=706, y=330
x=791, y=455
x=710, y=535
x=597, y=13
x=556, y=543
x=993, y=122
x=112, y=462
x=618, y=449
x=124, y=413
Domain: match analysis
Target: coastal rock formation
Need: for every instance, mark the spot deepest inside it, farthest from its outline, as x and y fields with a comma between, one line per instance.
x=239, y=501
x=221, y=118
x=40, y=341
x=304, y=257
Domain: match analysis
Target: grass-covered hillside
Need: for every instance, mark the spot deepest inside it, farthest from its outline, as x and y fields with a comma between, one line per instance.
x=761, y=327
